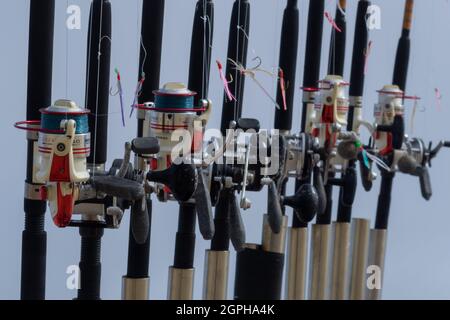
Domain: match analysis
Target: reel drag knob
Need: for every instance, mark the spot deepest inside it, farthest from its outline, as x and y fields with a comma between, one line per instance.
x=203, y=207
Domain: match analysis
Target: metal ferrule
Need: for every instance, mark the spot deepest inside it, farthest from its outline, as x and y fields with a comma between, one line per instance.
x=377, y=254
x=32, y=191
x=340, y=261
x=216, y=275
x=319, y=262
x=360, y=251
x=181, y=284
x=135, y=289
x=273, y=242
x=297, y=259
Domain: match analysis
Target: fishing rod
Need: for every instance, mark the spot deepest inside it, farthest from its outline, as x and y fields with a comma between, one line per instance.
x=259, y=269
x=348, y=183
x=407, y=155
x=97, y=98
x=378, y=236
x=39, y=92
x=71, y=178
x=298, y=236
x=181, y=279
x=321, y=230
x=136, y=283
x=227, y=221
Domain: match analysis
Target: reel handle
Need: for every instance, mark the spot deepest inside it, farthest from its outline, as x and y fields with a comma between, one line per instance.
x=320, y=188
x=305, y=202
x=118, y=187
x=181, y=179
x=274, y=211
x=365, y=173
x=140, y=223
x=204, y=207
x=425, y=182
x=237, y=229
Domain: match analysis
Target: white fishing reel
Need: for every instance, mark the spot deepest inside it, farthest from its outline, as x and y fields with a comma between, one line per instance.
x=64, y=145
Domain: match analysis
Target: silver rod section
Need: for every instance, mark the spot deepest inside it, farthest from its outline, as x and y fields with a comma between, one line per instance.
x=135, y=289
x=297, y=264
x=181, y=284
x=375, y=269
x=319, y=262
x=274, y=242
x=360, y=252
x=216, y=275
x=341, y=252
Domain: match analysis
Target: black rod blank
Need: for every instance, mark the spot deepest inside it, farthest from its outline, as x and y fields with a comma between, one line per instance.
x=288, y=65
x=39, y=95
x=150, y=64
x=237, y=51
x=98, y=72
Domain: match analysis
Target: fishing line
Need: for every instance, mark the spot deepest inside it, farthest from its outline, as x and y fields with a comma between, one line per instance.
x=67, y=55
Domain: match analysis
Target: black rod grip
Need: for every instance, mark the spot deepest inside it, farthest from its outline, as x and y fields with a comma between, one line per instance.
x=237, y=50
x=150, y=53
x=139, y=254
x=90, y=265
x=384, y=201
x=221, y=239
x=259, y=275
x=39, y=95
x=185, y=238
x=97, y=78
x=201, y=47
x=402, y=62
x=313, y=49
x=359, y=53
x=288, y=65
x=34, y=252
x=338, y=40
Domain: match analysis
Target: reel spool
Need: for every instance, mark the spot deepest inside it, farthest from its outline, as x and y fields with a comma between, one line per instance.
x=173, y=110
x=64, y=146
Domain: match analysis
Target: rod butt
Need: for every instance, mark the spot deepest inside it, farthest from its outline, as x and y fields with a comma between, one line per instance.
x=377, y=254
x=360, y=251
x=135, y=289
x=181, y=284
x=216, y=275
x=340, y=264
x=319, y=262
x=297, y=259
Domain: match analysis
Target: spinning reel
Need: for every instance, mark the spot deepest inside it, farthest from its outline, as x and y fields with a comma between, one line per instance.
x=407, y=155
x=68, y=185
x=174, y=126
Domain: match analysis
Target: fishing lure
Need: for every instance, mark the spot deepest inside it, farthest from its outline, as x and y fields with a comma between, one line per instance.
x=366, y=56
x=438, y=96
x=225, y=82
x=283, y=88
x=251, y=73
x=331, y=21
x=120, y=93
x=137, y=93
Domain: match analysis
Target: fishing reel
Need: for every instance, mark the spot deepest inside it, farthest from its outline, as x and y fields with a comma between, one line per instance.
x=256, y=158
x=63, y=147
x=338, y=149
x=175, y=172
x=397, y=151
x=67, y=183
